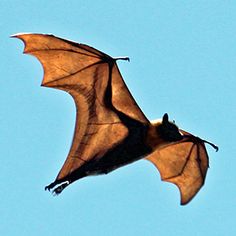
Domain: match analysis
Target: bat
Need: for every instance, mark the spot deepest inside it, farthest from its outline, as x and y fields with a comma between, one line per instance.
x=110, y=129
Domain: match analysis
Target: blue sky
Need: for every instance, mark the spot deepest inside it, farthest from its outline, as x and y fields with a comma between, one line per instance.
x=183, y=61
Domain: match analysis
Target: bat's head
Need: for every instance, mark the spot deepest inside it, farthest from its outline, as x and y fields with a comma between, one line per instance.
x=168, y=130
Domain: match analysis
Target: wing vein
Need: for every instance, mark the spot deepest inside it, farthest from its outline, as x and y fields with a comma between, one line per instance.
x=184, y=166
x=74, y=73
x=66, y=50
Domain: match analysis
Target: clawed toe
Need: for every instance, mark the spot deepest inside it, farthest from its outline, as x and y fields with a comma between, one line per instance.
x=50, y=186
x=58, y=189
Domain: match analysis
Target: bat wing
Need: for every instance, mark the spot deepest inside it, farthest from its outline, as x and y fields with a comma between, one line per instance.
x=183, y=163
x=93, y=79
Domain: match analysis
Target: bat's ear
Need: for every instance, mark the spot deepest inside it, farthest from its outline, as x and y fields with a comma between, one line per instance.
x=165, y=119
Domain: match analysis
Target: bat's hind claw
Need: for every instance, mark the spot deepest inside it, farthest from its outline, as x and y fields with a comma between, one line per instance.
x=58, y=189
x=50, y=186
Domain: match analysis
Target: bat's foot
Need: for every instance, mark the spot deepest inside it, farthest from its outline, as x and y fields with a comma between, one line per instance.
x=60, y=188
x=50, y=186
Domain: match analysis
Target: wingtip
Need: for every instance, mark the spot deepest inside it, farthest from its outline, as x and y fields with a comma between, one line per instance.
x=18, y=35
x=13, y=36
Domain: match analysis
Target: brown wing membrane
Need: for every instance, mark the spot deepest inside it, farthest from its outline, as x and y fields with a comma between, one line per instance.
x=184, y=164
x=95, y=83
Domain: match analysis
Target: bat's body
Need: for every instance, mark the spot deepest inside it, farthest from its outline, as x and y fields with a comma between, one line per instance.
x=111, y=130
x=121, y=154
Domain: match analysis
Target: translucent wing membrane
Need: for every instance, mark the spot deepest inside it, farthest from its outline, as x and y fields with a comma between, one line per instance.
x=183, y=163
x=93, y=79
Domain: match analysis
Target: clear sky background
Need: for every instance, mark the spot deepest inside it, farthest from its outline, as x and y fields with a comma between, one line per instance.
x=183, y=61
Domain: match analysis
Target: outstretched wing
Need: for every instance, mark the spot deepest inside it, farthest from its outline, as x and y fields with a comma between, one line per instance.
x=183, y=163
x=93, y=79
